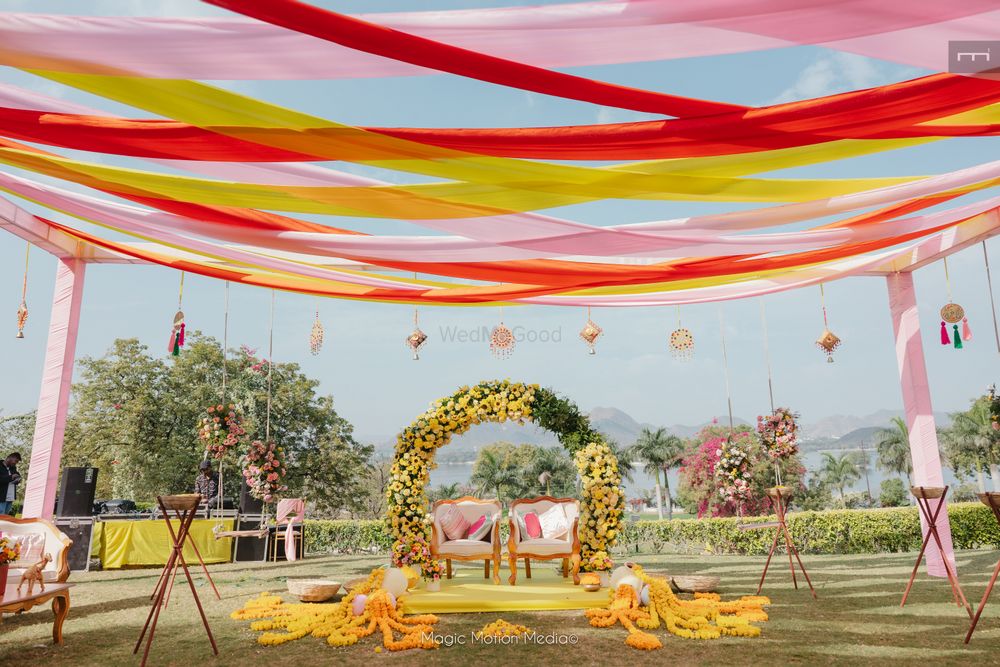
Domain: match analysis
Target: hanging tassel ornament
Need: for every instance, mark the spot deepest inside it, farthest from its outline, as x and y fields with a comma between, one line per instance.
x=177, y=333
x=316, y=335
x=416, y=339
x=952, y=313
x=22, y=310
x=681, y=341
x=590, y=333
x=501, y=340
x=828, y=341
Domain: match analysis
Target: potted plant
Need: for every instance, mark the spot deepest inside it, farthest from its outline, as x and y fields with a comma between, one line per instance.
x=9, y=552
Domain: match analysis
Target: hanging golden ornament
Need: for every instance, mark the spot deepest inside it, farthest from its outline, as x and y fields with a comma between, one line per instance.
x=952, y=313
x=22, y=310
x=828, y=341
x=316, y=336
x=416, y=339
x=590, y=333
x=501, y=341
x=681, y=341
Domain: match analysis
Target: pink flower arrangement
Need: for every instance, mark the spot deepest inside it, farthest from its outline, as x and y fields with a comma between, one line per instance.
x=221, y=430
x=263, y=470
x=779, y=433
x=732, y=471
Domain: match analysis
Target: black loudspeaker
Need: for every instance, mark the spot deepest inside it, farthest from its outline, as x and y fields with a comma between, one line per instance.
x=249, y=504
x=76, y=493
x=80, y=530
x=249, y=548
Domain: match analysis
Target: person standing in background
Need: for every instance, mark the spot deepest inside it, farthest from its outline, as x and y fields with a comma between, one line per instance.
x=9, y=479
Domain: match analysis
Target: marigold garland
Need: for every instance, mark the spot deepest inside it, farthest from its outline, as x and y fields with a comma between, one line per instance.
x=502, y=628
x=602, y=506
x=337, y=622
x=705, y=617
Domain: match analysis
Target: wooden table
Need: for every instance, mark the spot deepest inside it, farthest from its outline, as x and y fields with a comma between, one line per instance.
x=59, y=594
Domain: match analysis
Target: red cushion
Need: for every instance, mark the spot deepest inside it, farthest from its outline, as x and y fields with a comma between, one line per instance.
x=475, y=526
x=532, y=525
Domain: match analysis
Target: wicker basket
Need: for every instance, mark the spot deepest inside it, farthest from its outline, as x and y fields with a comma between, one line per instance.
x=313, y=590
x=695, y=583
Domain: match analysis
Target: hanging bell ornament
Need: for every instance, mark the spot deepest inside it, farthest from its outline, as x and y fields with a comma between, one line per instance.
x=589, y=334
x=828, y=342
x=415, y=341
x=501, y=341
x=22, y=319
x=681, y=344
x=316, y=336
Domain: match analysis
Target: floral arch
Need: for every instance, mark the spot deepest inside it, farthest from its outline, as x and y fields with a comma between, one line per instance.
x=498, y=401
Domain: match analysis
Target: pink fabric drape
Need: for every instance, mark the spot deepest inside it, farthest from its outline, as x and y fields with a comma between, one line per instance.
x=917, y=405
x=563, y=35
x=289, y=512
x=53, y=399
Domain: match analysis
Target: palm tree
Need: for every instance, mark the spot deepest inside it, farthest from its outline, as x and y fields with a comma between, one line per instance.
x=492, y=472
x=445, y=492
x=626, y=466
x=550, y=464
x=839, y=472
x=660, y=452
x=893, y=445
x=971, y=440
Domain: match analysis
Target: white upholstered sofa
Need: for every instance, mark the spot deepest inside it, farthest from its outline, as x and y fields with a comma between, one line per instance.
x=552, y=547
x=37, y=537
x=464, y=549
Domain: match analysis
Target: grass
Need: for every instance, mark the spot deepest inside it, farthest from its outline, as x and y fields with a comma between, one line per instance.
x=856, y=618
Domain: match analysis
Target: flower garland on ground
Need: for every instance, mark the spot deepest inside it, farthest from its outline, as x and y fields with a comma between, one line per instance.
x=705, y=617
x=778, y=433
x=499, y=401
x=502, y=628
x=732, y=472
x=602, y=506
x=221, y=430
x=337, y=622
x=264, y=470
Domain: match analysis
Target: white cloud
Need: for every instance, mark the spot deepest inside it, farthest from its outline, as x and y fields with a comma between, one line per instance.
x=835, y=73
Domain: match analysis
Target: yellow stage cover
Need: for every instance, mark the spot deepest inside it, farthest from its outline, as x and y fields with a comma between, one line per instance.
x=122, y=543
x=468, y=591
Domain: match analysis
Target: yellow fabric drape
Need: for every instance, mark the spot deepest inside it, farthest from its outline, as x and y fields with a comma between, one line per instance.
x=122, y=543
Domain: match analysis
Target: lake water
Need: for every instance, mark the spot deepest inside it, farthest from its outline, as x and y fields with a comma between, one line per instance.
x=452, y=473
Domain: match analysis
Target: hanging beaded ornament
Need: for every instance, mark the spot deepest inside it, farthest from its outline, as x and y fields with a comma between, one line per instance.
x=590, y=333
x=416, y=339
x=316, y=336
x=681, y=341
x=828, y=341
x=501, y=341
x=22, y=310
x=176, y=341
x=952, y=313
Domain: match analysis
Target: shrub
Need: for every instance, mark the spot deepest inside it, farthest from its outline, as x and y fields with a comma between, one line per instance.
x=965, y=493
x=883, y=530
x=892, y=493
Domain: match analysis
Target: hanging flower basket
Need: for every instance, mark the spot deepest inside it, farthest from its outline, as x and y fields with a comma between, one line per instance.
x=779, y=433
x=264, y=470
x=221, y=430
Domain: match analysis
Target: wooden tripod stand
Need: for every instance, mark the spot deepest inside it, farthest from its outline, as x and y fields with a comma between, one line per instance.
x=991, y=500
x=924, y=496
x=780, y=495
x=184, y=507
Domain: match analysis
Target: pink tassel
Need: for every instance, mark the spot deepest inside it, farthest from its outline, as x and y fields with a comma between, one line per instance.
x=180, y=336
x=170, y=343
x=966, y=331
x=944, y=334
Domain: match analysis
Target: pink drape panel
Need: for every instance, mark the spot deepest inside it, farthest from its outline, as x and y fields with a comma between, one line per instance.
x=917, y=404
x=289, y=512
x=53, y=400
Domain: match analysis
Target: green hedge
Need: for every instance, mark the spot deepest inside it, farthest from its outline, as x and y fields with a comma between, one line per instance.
x=830, y=532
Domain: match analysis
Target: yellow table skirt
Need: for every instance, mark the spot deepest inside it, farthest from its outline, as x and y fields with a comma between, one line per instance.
x=146, y=542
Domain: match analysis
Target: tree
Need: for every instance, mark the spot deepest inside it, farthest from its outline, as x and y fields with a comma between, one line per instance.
x=839, y=472
x=892, y=493
x=971, y=444
x=893, y=446
x=551, y=471
x=444, y=492
x=496, y=470
x=655, y=449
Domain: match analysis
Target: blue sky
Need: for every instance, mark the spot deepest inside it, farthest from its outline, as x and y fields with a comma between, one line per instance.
x=365, y=365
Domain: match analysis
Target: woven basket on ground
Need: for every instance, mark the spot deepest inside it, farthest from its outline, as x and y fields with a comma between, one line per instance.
x=313, y=590
x=695, y=583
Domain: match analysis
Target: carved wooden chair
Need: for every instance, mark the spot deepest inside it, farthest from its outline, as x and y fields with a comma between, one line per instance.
x=486, y=549
x=553, y=547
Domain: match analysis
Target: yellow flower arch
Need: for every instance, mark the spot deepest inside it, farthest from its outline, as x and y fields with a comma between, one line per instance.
x=603, y=500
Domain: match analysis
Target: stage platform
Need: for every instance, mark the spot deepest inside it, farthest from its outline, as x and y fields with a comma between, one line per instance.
x=468, y=591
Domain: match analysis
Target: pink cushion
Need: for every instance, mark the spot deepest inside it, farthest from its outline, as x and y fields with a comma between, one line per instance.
x=532, y=525
x=454, y=524
x=475, y=526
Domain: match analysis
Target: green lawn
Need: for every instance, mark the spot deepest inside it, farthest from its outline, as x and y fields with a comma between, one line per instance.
x=857, y=617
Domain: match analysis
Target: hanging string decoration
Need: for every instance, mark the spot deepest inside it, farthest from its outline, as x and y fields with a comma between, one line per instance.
x=952, y=314
x=177, y=333
x=264, y=470
x=828, y=341
x=316, y=336
x=501, y=341
x=590, y=333
x=22, y=310
x=778, y=433
x=681, y=341
x=416, y=339
x=221, y=430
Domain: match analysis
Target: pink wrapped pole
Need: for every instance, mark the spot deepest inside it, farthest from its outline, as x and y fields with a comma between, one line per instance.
x=917, y=405
x=53, y=400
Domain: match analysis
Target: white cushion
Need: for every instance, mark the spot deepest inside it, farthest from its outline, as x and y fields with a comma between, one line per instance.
x=53, y=545
x=32, y=548
x=543, y=547
x=466, y=547
x=554, y=524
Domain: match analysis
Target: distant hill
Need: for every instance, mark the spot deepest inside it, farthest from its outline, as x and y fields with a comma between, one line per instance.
x=837, y=426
